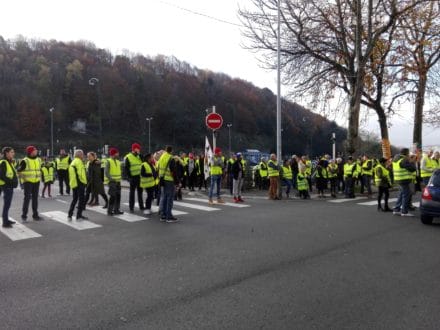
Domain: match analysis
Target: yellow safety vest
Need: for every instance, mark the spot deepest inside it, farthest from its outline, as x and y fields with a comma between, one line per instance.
x=348, y=170
x=10, y=171
x=272, y=172
x=430, y=163
x=115, y=170
x=147, y=182
x=32, y=172
x=332, y=171
x=135, y=163
x=301, y=182
x=77, y=171
x=401, y=174
x=164, y=167
x=216, y=170
x=62, y=163
x=385, y=174
x=364, y=167
x=308, y=170
x=47, y=174
x=287, y=172
x=263, y=170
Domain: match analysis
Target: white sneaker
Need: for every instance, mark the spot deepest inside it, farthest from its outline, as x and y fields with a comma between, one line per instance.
x=396, y=213
x=147, y=212
x=407, y=215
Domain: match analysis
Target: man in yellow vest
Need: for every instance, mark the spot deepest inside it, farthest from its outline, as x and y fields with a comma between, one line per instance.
x=382, y=181
x=349, y=177
x=167, y=183
x=148, y=181
x=112, y=177
x=286, y=172
x=216, y=171
x=427, y=167
x=332, y=171
x=132, y=166
x=403, y=169
x=264, y=174
x=8, y=181
x=62, y=163
x=367, y=174
x=30, y=174
x=274, y=176
x=78, y=183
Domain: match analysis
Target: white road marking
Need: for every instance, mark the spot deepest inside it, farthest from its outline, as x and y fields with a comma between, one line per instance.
x=61, y=201
x=155, y=209
x=197, y=207
x=215, y=202
x=375, y=202
x=416, y=204
x=19, y=232
x=128, y=217
x=61, y=217
x=343, y=200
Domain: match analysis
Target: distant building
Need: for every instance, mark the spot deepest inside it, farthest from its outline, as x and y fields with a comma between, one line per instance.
x=79, y=126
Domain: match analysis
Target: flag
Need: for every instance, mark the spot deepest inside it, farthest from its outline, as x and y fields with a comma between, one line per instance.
x=208, y=157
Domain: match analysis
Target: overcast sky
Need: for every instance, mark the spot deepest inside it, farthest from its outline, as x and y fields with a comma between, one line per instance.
x=154, y=27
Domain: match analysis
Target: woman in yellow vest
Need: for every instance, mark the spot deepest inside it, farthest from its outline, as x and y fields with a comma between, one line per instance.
x=148, y=181
x=382, y=180
x=286, y=175
x=78, y=184
x=8, y=181
x=47, y=174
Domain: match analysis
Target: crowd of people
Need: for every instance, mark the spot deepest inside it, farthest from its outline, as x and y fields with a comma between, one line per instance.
x=162, y=176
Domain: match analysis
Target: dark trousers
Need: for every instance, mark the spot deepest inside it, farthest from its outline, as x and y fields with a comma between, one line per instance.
x=385, y=192
x=63, y=177
x=47, y=186
x=114, y=191
x=135, y=187
x=150, y=195
x=202, y=181
x=30, y=193
x=192, y=179
x=366, y=182
x=168, y=191
x=333, y=185
x=80, y=198
x=7, y=198
x=349, y=187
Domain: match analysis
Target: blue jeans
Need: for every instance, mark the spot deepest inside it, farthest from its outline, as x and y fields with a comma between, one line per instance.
x=167, y=198
x=288, y=183
x=7, y=197
x=215, y=180
x=403, y=198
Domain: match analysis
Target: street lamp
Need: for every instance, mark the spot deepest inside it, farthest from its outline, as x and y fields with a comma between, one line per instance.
x=95, y=82
x=229, y=135
x=51, y=131
x=149, y=119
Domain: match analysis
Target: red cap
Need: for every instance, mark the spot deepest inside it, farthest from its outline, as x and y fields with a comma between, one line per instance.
x=135, y=146
x=30, y=149
x=217, y=150
x=113, y=151
x=191, y=155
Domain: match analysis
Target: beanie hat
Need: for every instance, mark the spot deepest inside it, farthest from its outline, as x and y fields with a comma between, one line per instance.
x=217, y=150
x=135, y=146
x=113, y=151
x=30, y=149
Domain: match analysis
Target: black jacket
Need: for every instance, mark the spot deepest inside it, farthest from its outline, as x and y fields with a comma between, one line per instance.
x=236, y=167
x=9, y=183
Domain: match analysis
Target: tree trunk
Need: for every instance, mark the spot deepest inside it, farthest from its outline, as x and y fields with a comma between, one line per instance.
x=353, y=119
x=386, y=146
x=418, y=111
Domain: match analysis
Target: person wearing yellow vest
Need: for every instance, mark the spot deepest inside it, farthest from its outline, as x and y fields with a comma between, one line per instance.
x=62, y=163
x=332, y=172
x=78, y=184
x=349, y=177
x=264, y=174
x=403, y=169
x=30, y=173
x=427, y=167
x=286, y=174
x=367, y=174
x=230, y=179
x=308, y=170
x=47, y=174
x=148, y=181
x=382, y=180
x=168, y=182
x=112, y=177
x=301, y=183
x=8, y=181
x=321, y=177
x=132, y=167
x=274, y=176
x=216, y=164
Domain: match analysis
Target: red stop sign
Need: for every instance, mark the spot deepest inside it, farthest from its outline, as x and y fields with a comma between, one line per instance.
x=214, y=120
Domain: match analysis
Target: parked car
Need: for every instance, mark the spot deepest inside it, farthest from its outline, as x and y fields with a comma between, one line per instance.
x=430, y=202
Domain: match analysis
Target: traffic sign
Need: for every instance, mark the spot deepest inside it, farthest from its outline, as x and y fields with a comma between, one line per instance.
x=214, y=121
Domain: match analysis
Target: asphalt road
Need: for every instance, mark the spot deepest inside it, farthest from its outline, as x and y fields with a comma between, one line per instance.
x=287, y=264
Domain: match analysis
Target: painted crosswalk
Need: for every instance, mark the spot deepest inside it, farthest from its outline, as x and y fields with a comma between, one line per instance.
x=128, y=217
x=343, y=200
x=155, y=209
x=371, y=203
x=196, y=206
x=19, y=232
x=201, y=200
x=61, y=217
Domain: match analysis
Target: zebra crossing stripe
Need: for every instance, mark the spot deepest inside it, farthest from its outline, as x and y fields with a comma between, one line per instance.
x=195, y=206
x=19, y=232
x=61, y=217
x=124, y=217
x=371, y=203
x=155, y=209
x=206, y=201
x=343, y=200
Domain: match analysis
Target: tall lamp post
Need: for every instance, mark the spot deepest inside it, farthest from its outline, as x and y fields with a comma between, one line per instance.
x=95, y=82
x=229, y=136
x=149, y=119
x=51, y=131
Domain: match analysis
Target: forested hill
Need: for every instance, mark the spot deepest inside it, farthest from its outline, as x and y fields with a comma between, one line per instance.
x=38, y=75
